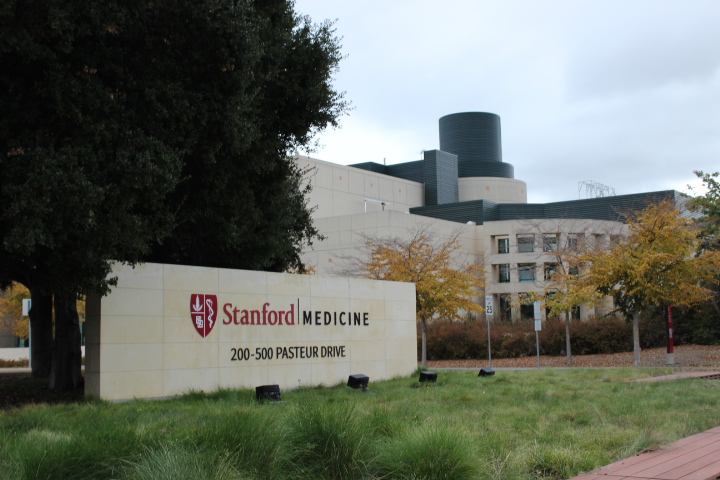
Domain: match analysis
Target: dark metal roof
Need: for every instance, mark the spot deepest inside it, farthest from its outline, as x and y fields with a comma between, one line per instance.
x=603, y=208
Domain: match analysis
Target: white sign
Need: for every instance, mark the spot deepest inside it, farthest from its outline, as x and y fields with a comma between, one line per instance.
x=538, y=325
x=489, y=305
x=27, y=304
x=167, y=329
x=536, y=310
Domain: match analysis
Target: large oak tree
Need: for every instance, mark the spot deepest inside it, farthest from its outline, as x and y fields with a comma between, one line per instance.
x=152, y=130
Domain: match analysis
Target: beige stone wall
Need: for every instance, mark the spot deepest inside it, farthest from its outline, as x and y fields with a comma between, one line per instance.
x=142, y=343
x=344, y=237
x=494, y=189
x=342, y=190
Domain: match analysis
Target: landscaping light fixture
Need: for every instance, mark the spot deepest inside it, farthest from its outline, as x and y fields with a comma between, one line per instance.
x=430, y=377
x=268, y=392
x=358, y=381
x=486, y=372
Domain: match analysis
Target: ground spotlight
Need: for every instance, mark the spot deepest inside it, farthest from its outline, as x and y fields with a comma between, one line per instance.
x=486, y=372
x=268, y=392
x=428, y=377
x=358, y=381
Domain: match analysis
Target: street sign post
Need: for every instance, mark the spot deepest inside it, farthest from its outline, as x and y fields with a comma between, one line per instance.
x=488, y=315
x=538, y=327
x=670, y=340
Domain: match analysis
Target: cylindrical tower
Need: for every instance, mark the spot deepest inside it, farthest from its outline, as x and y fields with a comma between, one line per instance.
x=475, y=138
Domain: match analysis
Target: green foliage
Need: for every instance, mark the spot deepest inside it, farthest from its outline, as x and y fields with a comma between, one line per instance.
x=156, y=131
x=699, y=325
x=708, y=206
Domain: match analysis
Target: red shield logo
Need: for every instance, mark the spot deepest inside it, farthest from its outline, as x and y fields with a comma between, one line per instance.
x=203, y=310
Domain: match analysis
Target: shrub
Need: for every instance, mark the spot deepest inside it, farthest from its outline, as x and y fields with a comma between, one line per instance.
x=699, y=326
x=447, y=340
x=14, y=363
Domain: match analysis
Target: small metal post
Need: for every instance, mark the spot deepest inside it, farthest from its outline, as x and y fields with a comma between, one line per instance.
x=670, y=339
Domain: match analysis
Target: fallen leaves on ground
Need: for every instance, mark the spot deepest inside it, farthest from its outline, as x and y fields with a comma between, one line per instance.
x=686, y=356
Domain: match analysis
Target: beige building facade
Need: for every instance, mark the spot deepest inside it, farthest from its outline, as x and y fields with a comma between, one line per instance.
x=464, y=185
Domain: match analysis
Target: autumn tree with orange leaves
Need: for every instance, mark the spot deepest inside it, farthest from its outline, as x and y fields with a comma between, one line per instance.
x=11, y=316
x=657, y=263
x=445, y=282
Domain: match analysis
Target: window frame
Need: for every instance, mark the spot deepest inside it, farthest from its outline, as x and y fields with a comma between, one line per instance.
x=525, y=246
x=506, y=242
x=504, y=268
x=550, y=246
x=549, y=269
x=531, y=276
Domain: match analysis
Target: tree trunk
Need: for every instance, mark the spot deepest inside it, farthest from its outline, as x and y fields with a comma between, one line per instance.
x=67, y=357
x=424, y=348
x=567, y=338
x=636, y=335
x=41, y=334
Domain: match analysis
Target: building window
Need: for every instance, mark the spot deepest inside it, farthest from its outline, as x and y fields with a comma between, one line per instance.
x=547, y=309
x=598, y=240
x=503, y=245
x=527, y=272
x=504, y=273
x=550, y=270
x=575, y=313
x=575, y=271
x=505, y=306
x=549, y=243
x=527, y=309
x=526, y=243
x=614, y=240
x=574, y=240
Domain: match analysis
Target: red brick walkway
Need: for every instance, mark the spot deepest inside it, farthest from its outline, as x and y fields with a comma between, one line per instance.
x=692, y=458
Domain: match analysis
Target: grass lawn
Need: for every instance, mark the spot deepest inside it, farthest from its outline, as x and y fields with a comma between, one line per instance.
x=515, y=425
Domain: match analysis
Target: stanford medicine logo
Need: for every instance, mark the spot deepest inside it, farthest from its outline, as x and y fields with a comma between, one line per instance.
x=203, y=309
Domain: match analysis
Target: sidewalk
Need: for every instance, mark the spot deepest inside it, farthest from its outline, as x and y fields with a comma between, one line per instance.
x=696, y=458
x=15, y=372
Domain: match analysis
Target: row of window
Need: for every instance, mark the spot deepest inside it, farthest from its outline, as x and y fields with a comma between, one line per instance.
x=526, y=310
x=526, y=271
x=527, y=243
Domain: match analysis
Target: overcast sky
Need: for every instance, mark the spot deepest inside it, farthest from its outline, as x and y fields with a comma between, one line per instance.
x=621, y=92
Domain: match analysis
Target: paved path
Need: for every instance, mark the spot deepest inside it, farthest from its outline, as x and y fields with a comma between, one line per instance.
x=692, y=458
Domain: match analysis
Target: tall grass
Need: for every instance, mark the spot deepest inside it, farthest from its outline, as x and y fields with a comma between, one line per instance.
x=542, y=424
x=433, y=451
x=334, y=441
